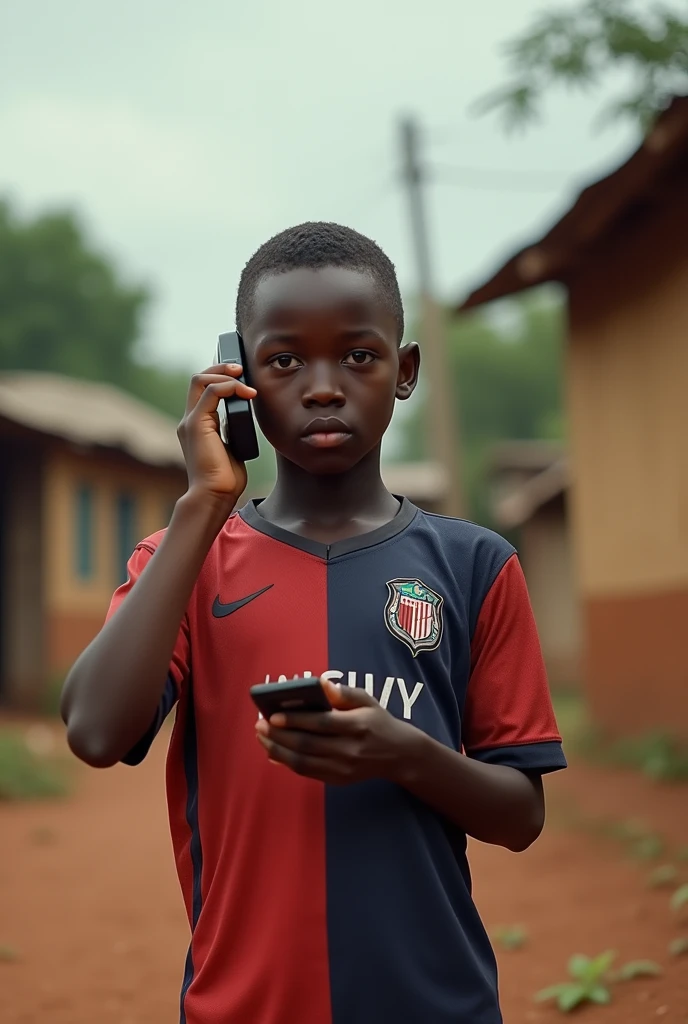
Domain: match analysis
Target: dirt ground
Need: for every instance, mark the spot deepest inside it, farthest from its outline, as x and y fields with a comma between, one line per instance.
x=89, y=901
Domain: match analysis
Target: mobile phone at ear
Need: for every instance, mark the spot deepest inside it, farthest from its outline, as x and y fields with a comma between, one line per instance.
x=237, y=429
x=296, y=695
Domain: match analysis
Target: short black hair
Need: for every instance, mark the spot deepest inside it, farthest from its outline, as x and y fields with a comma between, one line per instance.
x=317, y=244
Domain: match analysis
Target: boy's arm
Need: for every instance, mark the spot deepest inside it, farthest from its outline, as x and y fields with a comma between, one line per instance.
x=113, y=690
x=509, y=730
x=490, y=802
x=112, y=693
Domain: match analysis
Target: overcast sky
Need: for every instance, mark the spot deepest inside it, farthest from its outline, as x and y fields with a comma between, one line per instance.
x=186, y=134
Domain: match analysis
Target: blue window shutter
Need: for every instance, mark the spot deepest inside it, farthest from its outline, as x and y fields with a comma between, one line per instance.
x=127, y=536
x=84, y=533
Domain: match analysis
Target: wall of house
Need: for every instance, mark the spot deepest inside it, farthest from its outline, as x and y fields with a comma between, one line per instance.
x=76, y=601
x=628, y=388
x=21, y=605
x=545, y=553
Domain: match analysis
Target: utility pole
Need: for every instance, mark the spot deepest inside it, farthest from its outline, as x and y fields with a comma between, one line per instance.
x=442, y=426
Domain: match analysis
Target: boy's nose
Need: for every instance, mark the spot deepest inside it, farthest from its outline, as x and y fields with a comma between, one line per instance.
x=323, y=388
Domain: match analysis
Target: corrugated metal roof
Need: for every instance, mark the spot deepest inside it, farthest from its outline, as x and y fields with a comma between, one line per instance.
x=662, y=157
x=88, y=413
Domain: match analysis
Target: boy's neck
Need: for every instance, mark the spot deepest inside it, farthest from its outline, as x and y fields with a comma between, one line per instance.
x=331, y=507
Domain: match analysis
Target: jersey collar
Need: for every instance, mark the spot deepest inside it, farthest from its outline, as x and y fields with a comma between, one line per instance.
x=406, y=514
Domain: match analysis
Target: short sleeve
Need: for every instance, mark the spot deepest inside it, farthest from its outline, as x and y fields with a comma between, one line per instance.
x=179, y=668
x=508, y=714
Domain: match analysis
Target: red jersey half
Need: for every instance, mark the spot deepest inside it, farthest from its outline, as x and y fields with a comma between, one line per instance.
x=311, y=904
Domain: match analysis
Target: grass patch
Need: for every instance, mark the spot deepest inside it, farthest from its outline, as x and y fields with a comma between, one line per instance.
x=591, y=979
x=25, y=775
x=657, y=755
x=510, y=937
x=51, y=697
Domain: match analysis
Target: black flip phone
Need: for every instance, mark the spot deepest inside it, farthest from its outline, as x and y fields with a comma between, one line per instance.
x=237, y=429
x=296, y=695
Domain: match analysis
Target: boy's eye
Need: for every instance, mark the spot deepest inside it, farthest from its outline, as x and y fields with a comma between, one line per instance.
x=359, y=357
x=285, y=362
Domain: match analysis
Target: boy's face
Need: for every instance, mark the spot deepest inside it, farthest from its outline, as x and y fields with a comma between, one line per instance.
x=323, y=356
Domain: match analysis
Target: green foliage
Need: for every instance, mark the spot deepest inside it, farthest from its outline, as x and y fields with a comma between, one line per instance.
x=66, y=308
x=25, y=776
x=658, y=756
x=591, y=979
x=164, y=389
x=679, y=947
x=680, y=898
x=510, y=937
x=51, y=696
x=589, y=983
x=508, y=379
x=578, y=45
x=8, y=955
x=663, y=877
x=648, y=848
x=639, y=969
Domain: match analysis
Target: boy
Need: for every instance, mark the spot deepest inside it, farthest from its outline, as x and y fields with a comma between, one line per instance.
x=322, y=857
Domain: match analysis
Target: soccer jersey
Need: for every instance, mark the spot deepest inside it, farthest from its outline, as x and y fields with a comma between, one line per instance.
x=311, y=904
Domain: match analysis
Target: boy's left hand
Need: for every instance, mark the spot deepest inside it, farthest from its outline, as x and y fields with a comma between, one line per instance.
x=355, y=741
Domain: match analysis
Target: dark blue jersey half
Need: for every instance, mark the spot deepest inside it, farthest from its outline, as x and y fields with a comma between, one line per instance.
x=349, y=905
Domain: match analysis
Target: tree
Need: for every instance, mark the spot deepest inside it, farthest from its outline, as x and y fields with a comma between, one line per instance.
x=508, y=375
x=63, y=307
x=66, y=308
x=578, y=46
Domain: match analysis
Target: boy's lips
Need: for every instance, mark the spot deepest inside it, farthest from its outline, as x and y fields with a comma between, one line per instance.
x=326, y=432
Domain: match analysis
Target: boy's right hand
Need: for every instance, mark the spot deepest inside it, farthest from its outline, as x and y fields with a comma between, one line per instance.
x=213, y=471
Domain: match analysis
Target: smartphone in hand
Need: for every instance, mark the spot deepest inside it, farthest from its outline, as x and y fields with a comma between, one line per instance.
x=296, y=695
x=237, y=428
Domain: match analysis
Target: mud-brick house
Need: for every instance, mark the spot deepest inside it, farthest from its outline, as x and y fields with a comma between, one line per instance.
x=529, y=489
x=85, y=472
x=622, y=253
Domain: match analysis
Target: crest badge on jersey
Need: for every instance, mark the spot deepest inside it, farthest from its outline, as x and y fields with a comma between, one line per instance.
x=413, y=613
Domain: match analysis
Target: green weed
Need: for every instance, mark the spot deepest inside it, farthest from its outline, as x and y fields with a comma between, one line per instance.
x=8, y=955
x=510, y=937
x=52, y=696
x=679, y=947
x=25, y=775
x=591, y=980
x=588, y=984
x=662, y=877
x=657, y=755
x=648, y=848
x=680, y=898
x=638, y=969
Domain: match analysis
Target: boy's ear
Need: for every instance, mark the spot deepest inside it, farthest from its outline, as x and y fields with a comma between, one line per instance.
x=409, y=366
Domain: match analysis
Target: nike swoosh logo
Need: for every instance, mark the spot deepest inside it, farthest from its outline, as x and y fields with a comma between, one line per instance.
x=220, y=609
